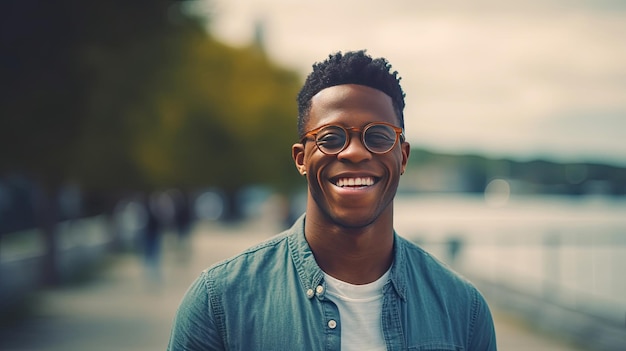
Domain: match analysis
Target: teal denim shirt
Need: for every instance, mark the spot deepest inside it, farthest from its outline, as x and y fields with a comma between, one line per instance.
x=272, y=297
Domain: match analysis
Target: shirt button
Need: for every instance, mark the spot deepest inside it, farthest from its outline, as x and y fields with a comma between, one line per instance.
x=309, y=293
x=332, y=324
x=319, y=290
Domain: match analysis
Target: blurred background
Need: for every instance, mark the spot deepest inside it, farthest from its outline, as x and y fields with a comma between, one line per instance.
x=142, y=141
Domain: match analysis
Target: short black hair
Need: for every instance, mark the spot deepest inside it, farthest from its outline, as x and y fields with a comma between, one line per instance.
x=353, y=67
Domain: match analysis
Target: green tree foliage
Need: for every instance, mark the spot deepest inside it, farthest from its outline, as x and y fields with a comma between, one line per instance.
x=472, y=173
x=118, y=96
x=124, y=96
x=225, y=117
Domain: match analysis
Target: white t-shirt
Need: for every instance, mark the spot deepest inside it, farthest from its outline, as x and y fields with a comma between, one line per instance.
x=360, y=309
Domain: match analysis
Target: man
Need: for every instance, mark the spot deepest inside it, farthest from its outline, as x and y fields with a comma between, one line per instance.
x=340, y=278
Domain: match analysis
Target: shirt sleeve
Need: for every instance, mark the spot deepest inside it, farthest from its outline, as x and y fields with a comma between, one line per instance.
x=482, y=333
x=194, y=326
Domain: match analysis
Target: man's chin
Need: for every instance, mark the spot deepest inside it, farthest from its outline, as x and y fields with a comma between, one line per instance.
x=354, y=222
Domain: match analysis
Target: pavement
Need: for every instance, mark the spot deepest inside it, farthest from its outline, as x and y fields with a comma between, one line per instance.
x=127, y=307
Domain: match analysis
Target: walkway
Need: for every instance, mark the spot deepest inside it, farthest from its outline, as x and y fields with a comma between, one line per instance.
x=125, y=310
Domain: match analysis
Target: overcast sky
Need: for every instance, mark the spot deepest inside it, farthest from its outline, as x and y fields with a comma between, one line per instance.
x=525, y=79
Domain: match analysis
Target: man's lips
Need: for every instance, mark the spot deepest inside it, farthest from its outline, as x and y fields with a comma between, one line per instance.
x=354, y=182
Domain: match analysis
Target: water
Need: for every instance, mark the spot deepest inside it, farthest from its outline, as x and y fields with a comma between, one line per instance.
x=568, y=250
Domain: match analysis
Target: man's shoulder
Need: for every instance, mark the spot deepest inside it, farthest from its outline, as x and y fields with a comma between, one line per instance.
x=250, y=270
x=426, y=267
x=252, y=257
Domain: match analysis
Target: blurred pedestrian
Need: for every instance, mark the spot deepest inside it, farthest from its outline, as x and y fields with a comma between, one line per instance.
x=152, y=235
x=340, y=278
x=182, y=223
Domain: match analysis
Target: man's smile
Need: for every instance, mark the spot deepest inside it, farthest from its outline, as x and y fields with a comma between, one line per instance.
x=354, y=182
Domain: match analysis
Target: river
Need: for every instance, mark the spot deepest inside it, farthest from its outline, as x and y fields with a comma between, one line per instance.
x=571, y=250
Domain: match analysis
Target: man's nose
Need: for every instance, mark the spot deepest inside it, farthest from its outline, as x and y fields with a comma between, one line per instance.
x=355, y=151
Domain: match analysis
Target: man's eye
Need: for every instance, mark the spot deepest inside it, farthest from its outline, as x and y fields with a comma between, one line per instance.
x=379, y=139
x=331, y=139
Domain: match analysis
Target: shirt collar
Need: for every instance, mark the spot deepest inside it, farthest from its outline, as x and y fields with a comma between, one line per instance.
x=396, y=276
x=311, y=275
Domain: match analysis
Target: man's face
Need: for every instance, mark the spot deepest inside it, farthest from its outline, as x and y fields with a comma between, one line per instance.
x=333, y=179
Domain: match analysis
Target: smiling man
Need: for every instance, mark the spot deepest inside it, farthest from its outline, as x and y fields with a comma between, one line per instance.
x=341, y=278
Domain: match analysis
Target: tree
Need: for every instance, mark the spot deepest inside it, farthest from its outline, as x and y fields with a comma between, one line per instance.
x=124, y=96
x=226, y=117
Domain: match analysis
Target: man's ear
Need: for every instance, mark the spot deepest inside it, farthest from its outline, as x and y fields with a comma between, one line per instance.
x=297, y=153
x=406, y=150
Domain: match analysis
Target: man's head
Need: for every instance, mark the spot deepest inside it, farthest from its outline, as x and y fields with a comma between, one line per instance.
x=352, y=151
x=355, y=67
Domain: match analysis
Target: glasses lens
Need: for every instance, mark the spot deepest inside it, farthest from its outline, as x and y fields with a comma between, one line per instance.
x=379, y=138
x=331, y=139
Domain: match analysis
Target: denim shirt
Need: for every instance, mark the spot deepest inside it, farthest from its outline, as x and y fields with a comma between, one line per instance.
x=273, y=297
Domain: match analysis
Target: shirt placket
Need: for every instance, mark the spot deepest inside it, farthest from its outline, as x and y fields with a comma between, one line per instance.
x=331, y=323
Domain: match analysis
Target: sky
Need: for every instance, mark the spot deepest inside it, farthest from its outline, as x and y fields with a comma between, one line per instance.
x=525, y=79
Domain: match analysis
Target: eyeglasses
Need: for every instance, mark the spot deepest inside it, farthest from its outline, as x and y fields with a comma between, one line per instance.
x=377, y=137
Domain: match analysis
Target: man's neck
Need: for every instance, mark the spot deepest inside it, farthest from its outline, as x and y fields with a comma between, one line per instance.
x=356, y=256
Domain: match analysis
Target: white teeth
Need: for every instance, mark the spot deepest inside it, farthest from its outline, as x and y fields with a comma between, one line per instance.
x=361, y=181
